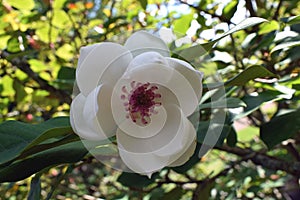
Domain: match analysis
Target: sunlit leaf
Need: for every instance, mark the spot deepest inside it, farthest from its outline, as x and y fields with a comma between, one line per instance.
x=182, y=24
x=230, y=9
x=224, y=103
x=22, y=5
x=285, y=45
x=200, y=49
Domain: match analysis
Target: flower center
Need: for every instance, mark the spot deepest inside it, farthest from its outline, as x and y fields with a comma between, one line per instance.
x=141, y=102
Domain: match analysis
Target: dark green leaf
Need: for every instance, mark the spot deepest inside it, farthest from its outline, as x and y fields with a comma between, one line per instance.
x=253, y=72
x=291, y=20
x=135, y=180
x=68, y=153
x=280, y=128
x=20, y=90
x=176, y=193
x=231, y=139
x=224, y=103
x=17, y=136
x=143, y=3
x=203, y=190
x=285, y=45
x=254, y=102
x=216, y=132
x=35, y=189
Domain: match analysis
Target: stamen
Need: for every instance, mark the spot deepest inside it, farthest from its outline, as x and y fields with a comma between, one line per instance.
x=141, y=102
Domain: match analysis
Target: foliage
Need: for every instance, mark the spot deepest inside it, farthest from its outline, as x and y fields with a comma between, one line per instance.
x=258, y=63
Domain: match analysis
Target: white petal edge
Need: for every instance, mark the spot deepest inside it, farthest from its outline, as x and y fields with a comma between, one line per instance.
x=78, y=122
x=185, y=156
x=142, y=41
x=97, y=111
x=148, y=163
x=96, y=61
x=147, y=58
x=194, y=77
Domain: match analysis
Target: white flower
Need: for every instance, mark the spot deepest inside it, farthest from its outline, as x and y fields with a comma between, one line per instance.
x=141, y=95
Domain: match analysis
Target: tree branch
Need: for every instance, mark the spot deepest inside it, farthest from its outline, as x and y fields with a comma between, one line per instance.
x=266, y=161
x=249, y=6
x=23, y=65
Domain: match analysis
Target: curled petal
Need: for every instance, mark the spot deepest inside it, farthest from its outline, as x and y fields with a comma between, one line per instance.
x=194, y=77
x=143, y=41
x=78, y=122
x=97, y=112
x=147, y=58
x=146, y=156
x=96, y=60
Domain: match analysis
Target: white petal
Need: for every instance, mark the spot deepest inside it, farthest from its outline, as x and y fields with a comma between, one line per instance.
x=147, y=58
x=78, y=122
x=157, y=138
x=167, y=77
x=186, y=156
x=143, y=41
x=194, y=77
x=167, y=147
x=97, y=60
x=97, y=111
x=84, y=51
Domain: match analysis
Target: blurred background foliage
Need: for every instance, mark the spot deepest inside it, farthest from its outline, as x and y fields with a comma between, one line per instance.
x=258, y=157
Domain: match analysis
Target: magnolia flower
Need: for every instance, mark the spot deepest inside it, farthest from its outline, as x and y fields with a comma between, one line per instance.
x=141, y=95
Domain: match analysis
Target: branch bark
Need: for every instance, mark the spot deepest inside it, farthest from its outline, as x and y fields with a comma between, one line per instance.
x=23, y=65
x=264, y=160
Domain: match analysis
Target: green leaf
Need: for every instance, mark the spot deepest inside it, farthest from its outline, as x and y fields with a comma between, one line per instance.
x=216, y=132
x=175, y=193
x=254, y=102
x=19, y=170
x=20, y=93
x=35, y=189
x=182, y=24
x=204, y=190
x=230, y=9
x=268, y=27
x=285, y=45
x=143, y=3
x=248, y=74
x=197, y=50
x=135, y=180
x=231, y=139
x=280, y=128
x=224, y=103
x=18, y=136
x=22, y=5
x=291, y=20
